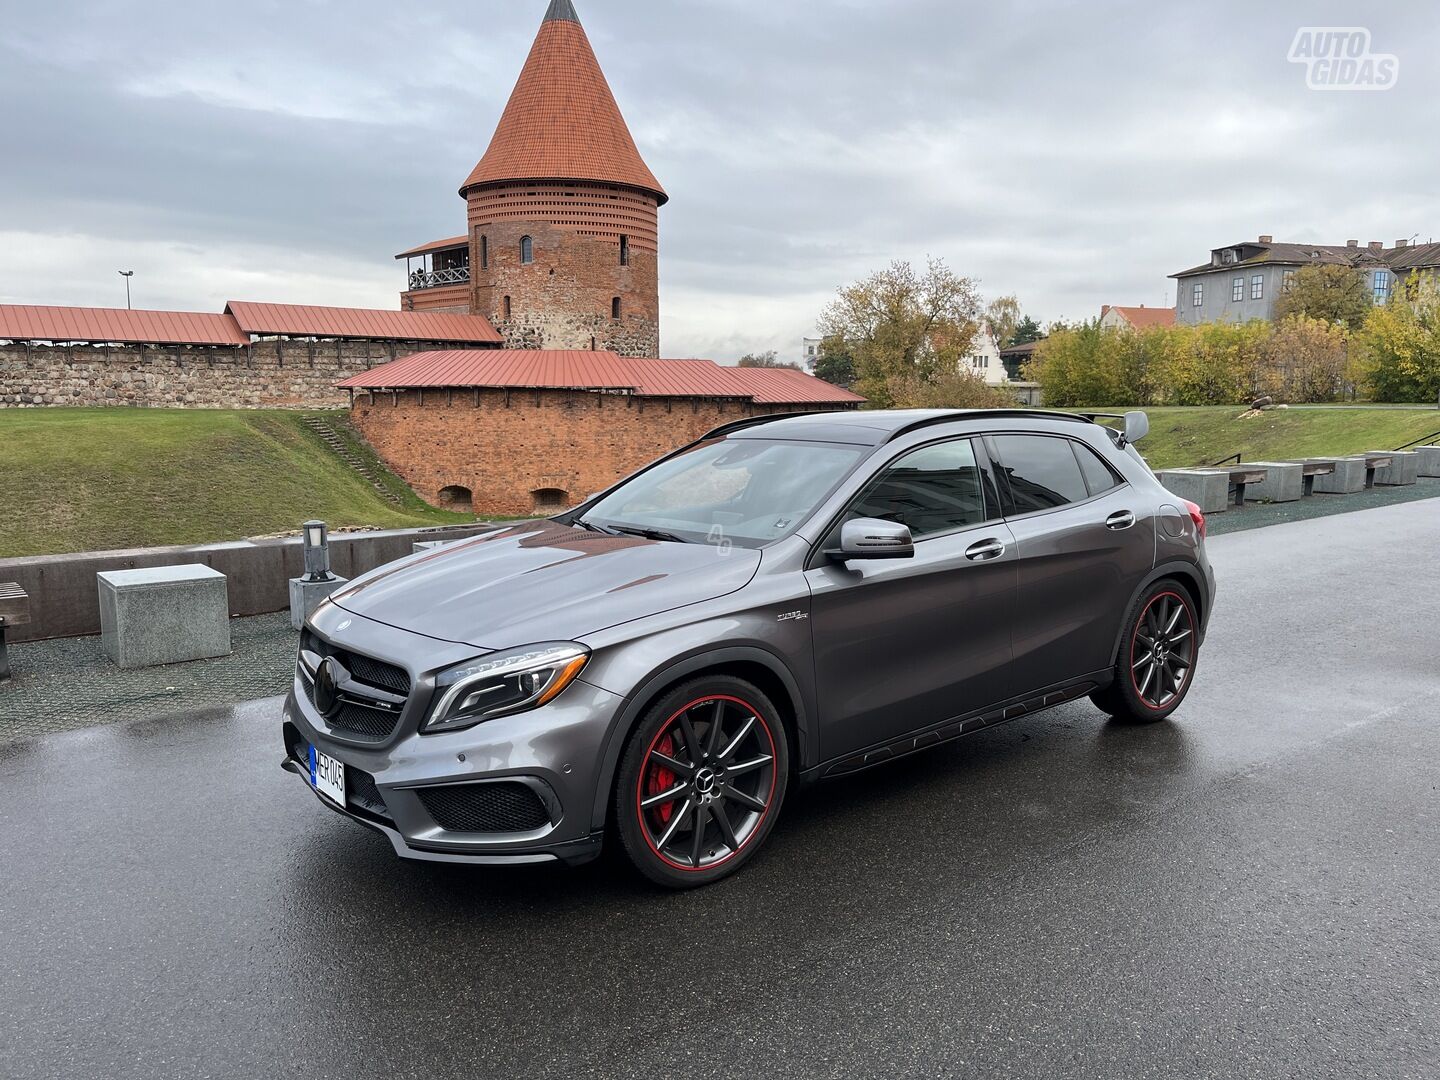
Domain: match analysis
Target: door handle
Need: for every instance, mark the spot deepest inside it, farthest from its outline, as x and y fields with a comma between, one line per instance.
x=982, y=550
x=1121, y=519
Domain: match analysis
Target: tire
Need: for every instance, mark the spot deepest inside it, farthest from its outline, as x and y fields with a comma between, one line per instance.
x=1156, y=660
x=731, y=780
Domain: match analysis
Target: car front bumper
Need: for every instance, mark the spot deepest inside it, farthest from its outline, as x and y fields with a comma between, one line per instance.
x=549, y=758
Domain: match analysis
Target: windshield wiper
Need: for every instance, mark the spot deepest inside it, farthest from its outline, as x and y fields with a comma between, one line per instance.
x=649, y=534
x=592, y=526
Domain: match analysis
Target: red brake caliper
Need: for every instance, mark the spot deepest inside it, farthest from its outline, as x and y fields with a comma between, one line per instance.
x=662, y=779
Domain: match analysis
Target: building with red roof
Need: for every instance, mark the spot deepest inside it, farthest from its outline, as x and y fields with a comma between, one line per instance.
x=1113, y=317
x=562, y=245
x=520, y=431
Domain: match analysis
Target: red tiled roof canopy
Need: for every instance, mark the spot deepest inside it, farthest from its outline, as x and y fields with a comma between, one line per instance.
x=27, y=322
x=1142, y=318
x=561, y=121
x=558, y=369
x=435, y=245
x=303, y=320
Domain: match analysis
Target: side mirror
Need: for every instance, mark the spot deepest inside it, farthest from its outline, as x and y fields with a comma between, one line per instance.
x=1137, y=426
x=872, y=538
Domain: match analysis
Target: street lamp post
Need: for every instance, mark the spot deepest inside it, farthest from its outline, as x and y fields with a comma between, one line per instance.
x=127, y=275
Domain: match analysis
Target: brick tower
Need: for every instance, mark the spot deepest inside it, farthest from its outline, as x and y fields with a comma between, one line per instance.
x=563, y=212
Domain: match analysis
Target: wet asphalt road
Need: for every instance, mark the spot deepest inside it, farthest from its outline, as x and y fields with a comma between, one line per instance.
x=1250, y=890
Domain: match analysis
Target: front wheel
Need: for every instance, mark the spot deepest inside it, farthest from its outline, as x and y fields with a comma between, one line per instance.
x=1157, y=656
x=701, y=781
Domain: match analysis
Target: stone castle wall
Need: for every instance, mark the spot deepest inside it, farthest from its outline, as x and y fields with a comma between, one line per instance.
x=266, y=374
x=527, y=451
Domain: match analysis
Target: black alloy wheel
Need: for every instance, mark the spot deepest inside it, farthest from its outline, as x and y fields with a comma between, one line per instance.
x=701, y=781
x=1157, y=656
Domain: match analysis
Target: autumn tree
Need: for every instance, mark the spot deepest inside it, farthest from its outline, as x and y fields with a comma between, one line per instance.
x=767, y=359
x=1332, y=293
x=1002, y=315
x=1397, y=351
x=900, y=325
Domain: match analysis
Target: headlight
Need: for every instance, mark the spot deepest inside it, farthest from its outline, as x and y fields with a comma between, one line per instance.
x=503, y=683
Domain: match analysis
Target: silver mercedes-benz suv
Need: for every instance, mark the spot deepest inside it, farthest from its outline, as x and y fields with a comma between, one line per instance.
x=786, y=599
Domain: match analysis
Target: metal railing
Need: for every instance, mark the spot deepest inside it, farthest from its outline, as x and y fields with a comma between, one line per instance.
x=1417, y=442
x=1224, y=461
x=429, y=279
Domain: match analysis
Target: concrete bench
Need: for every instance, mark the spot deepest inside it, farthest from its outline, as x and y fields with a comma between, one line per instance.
x=1283, y=481
x=1244, y=476
x=14, y=611
x=163, y=615
x=1429, y=461
x=1402, y=469
x=1311, y=468
x=1374, y=462
x=1350, y=475
x=1208, y=489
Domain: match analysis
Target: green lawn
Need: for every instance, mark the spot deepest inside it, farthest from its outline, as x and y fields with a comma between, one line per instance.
x=92, y=479
x=1195, y=436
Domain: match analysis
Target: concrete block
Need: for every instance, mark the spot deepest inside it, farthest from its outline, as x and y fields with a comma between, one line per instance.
x=1348, y=477
x=1208, y=489
x=1429, y=461
x=305, y=597
x=1404, y=467
x=424, y=545
x=1284, y=481
x=163, y=615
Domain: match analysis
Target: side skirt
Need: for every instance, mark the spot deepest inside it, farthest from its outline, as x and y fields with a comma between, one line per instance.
x=956, y=727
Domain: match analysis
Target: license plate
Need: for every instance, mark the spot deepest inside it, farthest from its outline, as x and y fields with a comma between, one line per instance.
x=327, y=776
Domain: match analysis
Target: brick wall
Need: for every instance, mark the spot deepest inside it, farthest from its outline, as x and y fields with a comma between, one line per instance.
x=267, y=374
x=563, y=299
x=506, y=447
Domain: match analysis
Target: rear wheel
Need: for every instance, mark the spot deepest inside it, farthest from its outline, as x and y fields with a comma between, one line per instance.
x=701, y=781
x=1156, y=658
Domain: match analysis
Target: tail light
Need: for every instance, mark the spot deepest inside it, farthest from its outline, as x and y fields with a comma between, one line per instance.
x=1197, y=516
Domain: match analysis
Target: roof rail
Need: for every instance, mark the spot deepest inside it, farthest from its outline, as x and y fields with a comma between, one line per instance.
x=749, y=422
x=966, y=414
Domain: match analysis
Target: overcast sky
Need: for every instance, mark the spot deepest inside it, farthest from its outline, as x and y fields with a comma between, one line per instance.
x=1072, y=154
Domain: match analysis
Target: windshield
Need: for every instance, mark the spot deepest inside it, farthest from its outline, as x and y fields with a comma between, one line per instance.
x=746, y=491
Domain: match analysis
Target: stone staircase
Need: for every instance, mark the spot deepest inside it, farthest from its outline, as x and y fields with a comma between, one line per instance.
x=325, y=428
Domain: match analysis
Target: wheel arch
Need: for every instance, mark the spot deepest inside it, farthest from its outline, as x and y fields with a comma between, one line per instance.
x=755, y=665
x=1189, y=575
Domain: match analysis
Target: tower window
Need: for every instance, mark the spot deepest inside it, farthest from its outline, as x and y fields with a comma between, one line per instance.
x=615, y=308
x=624, y=251
x=527, y=250
x=484, y=252
x=507, y=307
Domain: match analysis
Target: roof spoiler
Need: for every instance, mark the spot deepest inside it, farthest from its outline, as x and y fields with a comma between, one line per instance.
x=1137, y=424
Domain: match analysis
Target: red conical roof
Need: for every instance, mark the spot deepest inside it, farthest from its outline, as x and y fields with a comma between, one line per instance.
x=562, y=121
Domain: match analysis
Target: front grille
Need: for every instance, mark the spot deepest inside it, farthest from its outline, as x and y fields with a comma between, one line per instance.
x=500, y=807
x=361, y=792
x=355, y=719
x=365, y=669
x=362, y=722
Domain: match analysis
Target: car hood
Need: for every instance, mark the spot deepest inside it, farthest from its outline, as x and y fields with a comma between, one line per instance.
x=542, y=581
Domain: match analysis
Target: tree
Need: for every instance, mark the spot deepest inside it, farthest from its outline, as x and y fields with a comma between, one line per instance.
x=1003, y=317
x=1332, y=293
x=768, y=359
x=1026, y=331
x=835, y=364
x=1397, y=351
x=1306, y=362
x=902, y=324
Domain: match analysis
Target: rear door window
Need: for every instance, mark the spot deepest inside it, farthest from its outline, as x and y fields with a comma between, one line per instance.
x=1042, y=471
